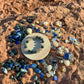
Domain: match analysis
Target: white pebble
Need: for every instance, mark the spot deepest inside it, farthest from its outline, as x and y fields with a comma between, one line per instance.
x=58, y=23
x=49, y=67
x=67, y=62
x=66, y=50
x=43, y=32
x=66, y=41
x=29, y=31
x=55, y=43
x=48, y=75
x=45, y=23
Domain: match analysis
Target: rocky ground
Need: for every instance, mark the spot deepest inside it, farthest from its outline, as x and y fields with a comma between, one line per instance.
x=71, y=13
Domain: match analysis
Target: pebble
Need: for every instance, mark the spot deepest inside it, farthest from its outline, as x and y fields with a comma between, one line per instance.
x=66, y=41
x=37, y=82
x=58, y=23
x=42, y=75
x=53, y=39
x=41, y=61
x=55, y=43
x=66, y=50
x=53, y=28
x=49, y=67
x=67, y=62
x=37, y=70
x=33, y=65
x=24, y=70
x=48, y=75
x=35, y=77
x=4, y=70
x=61, y=61
x=29, y=31
x=51, y=73
x=55, y=78
x=64, y=69
x=43, y=32
x=45, y=23
x=67, y=56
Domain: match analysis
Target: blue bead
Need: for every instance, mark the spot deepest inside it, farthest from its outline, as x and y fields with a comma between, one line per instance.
x=16, y=37
x=67, y=56
x=19, y=34
x=33, y=27
x=9, y=36
x=33, y=65
x=51, y=43
x=55, y=78
x=53, y=28
x=55, y=34
x=37, y=70
x=47, y=31
x=45, y=27
x=72, y=40
x=27, y=67
x=42, y=75
x=41, y=61
x=69, y=37
x=17, y=42
x=19, y=66
x=36, y=30
x=17, y=31
x=53, y=48
x=11, y=65
x=53, y=39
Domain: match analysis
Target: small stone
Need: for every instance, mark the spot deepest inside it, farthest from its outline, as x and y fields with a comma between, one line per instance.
x=55, y=43
x=69, y=38
x=35, y=77
x=58, y=23
x=67, y=56
x=61, y=61
x=66, y=50
x=42, y=75
x=45, y=23
x=64, y=69
x=55, y=78
x=37, y=70
x=37, y=31
x=41, y=61
x=45, y=27
x=37, y=22
x=66, y=41
x=17, y=42
x=33, y=65
x=53, y=39
x=43, y=32
x=59, y=57
x=11, y=76
x=54, y=61
x=29, y=31
x=48, y=75
x=49, y=67
x=37, y=82
x=24, y=70
x=51, y=73
x=4, y=70
x=53, y=47
x=67, y=62
x=53, y=28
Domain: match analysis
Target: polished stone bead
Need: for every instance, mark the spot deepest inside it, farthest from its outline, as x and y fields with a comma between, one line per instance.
x=11, y=65
x=4, y=70
x=55, y=78
x=54, y=61
x=67, y=56
x=41, y=61
x=33, y=27
x=35, y=77
x=47, y=31
x=37, y=70
x=23, y=70
x=53, y=28
x=33, y=65
x=36, y=30
x=53, y=39
x=45, y=27
x=42, y=75
x=17, y=42
x=53, y=48
x=49, y=67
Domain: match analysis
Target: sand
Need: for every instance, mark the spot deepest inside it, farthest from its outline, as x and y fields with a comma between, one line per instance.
x=71, y=13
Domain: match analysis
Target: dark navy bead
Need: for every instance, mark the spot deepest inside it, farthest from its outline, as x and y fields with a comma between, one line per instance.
x=53, y=28
x=53, y=48
x=17, y=42
x=47, y=31
x=36, y=30
x=67, y=56
x=27, y=67
x=55, y=34
x=55, y=78
x=19, y=66
x=42, y=75
x=33, y=65
x=11, y=65
x=16, y=37
x=45, y=27
x=37, y=70
x=41, y=61
x=33, y=27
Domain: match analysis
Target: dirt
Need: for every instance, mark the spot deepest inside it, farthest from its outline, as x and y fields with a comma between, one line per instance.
x=71, y=13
